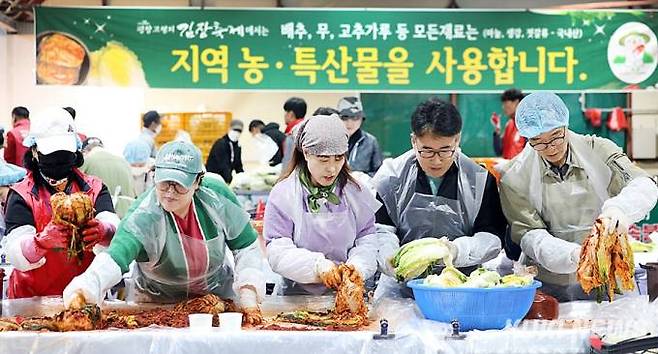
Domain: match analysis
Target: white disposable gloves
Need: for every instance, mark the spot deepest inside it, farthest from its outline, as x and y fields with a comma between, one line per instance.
x=614, y=219
x=102, y=274
x=556, y=255
x=476, y=249
x=388, y=245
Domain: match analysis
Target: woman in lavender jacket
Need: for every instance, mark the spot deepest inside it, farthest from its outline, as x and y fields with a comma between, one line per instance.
x=318, y=216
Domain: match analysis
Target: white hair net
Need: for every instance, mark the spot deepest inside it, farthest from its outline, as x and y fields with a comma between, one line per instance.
x=10, y=174
x=539, y=113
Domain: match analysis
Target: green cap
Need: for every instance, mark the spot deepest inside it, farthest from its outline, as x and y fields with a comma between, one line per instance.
x=178, y=161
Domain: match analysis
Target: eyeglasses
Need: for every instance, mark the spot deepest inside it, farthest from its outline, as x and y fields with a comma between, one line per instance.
x=429, y=154
x=553, y=142
x=177, y=187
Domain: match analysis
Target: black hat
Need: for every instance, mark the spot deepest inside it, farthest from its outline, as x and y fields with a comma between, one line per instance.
x=350, y=107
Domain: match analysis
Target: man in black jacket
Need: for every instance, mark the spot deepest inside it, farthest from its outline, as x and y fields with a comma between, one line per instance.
x=435, y=190
x=226, y=154
x=272, y=131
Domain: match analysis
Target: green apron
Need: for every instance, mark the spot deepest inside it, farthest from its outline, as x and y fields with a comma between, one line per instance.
x=165, y=276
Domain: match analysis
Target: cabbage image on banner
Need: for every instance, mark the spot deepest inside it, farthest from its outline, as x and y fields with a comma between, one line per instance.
x=116, y=65
x=61, y=59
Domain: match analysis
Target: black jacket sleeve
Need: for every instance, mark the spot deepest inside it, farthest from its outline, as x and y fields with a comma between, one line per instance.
x=376, y=159
x=279, y=137
x=276, y=159
x=18, y=213
x=238, y=160
x=497, y=144
x=490, y=218
x=104, y=201
x=218, y=160
x=280, y=140
x=381, y=216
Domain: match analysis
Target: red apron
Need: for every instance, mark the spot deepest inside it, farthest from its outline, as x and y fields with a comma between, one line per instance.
x=57, y=272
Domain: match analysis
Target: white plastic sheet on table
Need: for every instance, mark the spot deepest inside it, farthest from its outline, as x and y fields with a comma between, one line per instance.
x=624, y=318
x=167, y=340
x=185, y=341
x=414, y=334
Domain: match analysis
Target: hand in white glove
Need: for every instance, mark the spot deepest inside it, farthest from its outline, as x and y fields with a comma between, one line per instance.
x=102, y=274
x=614, y=220
x=554, y=254
x=452, y=248
x=575, y=256
x=328, y=273
x=249, y=304
x=83, y=285
x=386, y=266
x=388, y=246
x=476, y=249
x=351, y=271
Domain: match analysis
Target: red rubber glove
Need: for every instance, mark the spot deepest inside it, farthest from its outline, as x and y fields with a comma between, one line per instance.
x=96, y=231
x=51, y=237
x=495, y=121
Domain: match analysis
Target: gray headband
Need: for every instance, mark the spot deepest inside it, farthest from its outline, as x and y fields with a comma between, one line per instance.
x=322, y=135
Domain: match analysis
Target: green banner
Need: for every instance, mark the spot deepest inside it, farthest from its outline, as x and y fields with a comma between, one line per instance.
x=366, y=50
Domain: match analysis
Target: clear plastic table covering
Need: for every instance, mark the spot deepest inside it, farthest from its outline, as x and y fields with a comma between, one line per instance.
x=169, y=340
x=413, y=334
x=624, y=318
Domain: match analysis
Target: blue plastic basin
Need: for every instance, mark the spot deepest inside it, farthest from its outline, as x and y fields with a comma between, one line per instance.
x=474, y=308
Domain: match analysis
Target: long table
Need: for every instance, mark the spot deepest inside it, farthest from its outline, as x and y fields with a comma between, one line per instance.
x=413, y=334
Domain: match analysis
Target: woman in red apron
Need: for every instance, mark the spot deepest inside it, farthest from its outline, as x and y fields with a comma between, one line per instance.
x=34, y=245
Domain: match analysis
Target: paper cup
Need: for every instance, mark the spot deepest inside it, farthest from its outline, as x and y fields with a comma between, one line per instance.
x=200, y=321
x=230, y=321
